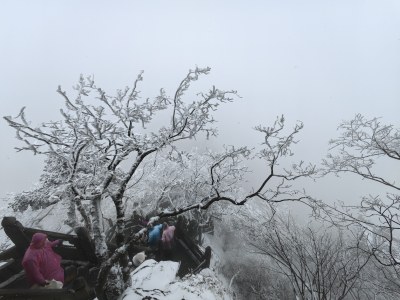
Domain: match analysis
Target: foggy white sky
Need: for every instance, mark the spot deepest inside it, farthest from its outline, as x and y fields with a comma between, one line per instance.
x=317, y=61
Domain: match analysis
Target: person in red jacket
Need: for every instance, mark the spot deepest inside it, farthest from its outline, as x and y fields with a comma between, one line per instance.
x=41, y=263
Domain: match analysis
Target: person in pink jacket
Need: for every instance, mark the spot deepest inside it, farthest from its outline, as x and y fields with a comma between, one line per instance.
x=168, y=241
x=41, y=263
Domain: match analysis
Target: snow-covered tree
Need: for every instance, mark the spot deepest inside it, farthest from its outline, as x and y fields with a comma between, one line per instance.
x=103, y=144
x=315, y=261
x=362, y=146
x=319, y=264
x=48, y=191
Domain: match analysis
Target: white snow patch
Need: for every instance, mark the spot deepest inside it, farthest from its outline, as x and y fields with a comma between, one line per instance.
x=158, y=279
x=153, y=275
x=154, y=219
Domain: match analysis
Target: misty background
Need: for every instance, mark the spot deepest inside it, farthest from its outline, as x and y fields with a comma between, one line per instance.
x=320, y=62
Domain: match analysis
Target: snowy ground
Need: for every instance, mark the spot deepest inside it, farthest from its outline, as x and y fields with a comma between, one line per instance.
x=158, y=280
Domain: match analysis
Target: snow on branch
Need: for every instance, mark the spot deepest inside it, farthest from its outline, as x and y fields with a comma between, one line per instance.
x=360, y=144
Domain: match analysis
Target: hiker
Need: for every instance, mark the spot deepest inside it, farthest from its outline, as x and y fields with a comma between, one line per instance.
x=168, y=241
x=42, y=264
x=154, y=236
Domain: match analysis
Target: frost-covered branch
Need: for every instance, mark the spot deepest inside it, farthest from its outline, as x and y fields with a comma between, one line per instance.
x=361, y=145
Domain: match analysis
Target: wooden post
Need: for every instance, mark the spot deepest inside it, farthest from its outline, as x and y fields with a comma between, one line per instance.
x=207, y=257
x=70, y=274
x=15, y=231
x=85, y=244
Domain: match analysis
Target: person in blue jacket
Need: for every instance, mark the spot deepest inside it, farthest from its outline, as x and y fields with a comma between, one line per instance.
x=154, y=238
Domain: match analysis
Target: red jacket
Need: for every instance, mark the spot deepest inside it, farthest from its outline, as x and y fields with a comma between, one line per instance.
x=40, y=262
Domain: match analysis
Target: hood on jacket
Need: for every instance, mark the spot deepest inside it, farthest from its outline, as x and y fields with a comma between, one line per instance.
x=38, y=240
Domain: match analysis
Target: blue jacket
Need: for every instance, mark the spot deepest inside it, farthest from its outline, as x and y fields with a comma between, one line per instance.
x=155, y=235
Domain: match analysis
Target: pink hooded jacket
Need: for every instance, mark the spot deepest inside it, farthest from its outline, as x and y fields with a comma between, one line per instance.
x=167, y=239
x=40, y=262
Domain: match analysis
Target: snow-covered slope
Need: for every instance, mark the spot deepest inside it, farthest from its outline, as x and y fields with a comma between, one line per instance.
x=158, y=280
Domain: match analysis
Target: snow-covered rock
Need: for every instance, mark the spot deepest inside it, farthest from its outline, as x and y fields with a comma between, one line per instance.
x=154, y=276
x=158, y=280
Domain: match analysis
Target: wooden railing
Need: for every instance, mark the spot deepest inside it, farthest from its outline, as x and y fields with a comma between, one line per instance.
x=78, y=260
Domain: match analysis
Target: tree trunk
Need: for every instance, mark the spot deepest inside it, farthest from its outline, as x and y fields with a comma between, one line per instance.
x=108, y=285
x=71, y=220
x=101, y=249
x=82, y=211
x=120, y=240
